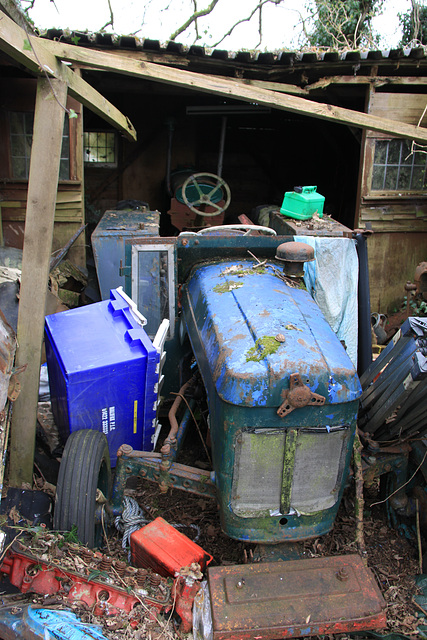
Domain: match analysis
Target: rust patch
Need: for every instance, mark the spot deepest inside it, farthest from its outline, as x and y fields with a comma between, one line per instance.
x=265, y=313
x=222, y=356
x=239, y=336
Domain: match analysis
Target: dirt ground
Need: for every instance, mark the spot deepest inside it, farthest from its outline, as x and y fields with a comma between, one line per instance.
x=392, y=557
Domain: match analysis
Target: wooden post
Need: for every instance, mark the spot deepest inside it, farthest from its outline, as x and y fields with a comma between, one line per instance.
x=42, y=188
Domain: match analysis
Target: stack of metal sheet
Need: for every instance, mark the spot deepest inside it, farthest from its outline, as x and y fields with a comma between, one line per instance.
x=394, y=400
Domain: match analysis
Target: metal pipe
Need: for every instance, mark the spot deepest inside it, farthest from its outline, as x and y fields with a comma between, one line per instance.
x=168, y=450
x=174, y=426
x=182, y=430
x=365, y=340
x=221, y=145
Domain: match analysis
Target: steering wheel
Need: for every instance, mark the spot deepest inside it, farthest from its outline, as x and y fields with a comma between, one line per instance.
x=238, y=227
x=205, y=199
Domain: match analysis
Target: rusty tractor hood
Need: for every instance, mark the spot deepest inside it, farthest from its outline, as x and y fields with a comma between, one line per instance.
x=251, y=331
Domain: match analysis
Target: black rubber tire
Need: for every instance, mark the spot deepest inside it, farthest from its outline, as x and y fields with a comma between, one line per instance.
x=85, y=467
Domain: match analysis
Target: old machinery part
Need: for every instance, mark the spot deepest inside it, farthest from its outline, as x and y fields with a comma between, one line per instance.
x=378, y=321
x=297, y=396
x=206, y=199
x=293, y=255
x=30, y=573
x=306, y=597
x=394, y=386
x=245, y=228
x=420, y=279
x=410, y=288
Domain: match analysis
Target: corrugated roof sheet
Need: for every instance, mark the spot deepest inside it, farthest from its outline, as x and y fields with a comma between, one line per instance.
x=280, y=58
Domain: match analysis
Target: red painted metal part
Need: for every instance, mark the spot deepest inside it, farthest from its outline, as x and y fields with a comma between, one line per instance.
x=30, y=574
x=184, y=594
x=159, y=546
x=182, y=217
x=294, y=598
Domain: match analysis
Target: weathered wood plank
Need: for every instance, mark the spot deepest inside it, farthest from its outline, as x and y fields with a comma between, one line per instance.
x=229, y=88
x=37, y=59
x=61, y=197
x=271, y=86
x=61, y=215
x=405, y=250
x=375, y=81
x=405, y=107
x=381, y=227
x=69, y=196
x=45, y=158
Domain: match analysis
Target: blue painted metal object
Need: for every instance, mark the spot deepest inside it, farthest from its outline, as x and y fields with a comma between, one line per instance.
x=108, y=243
x=29, y=623
x=263, y=348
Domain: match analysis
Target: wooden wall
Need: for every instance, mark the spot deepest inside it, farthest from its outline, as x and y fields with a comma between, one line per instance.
x=18, y=94
x=399, y=221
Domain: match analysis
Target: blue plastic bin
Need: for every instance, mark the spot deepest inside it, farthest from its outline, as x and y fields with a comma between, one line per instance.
x=103, y=373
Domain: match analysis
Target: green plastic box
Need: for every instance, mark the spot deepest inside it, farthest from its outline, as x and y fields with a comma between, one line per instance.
x=302, y=203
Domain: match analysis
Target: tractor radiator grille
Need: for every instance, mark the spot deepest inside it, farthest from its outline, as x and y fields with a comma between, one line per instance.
x=277, y=472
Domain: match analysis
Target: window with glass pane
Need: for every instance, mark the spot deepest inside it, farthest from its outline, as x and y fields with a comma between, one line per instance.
x=153, y=288
x=395, y=168
x=153, y=283
x=21, y=138
x=100, y=147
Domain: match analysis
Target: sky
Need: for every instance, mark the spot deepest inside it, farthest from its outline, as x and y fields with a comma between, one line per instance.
x=157, y=19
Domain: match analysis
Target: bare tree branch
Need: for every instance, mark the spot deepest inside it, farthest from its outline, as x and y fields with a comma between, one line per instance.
x=257, y=8
x=111, y=20
x=416, y=18
x=193, y=18
x=196, y=24
x=259, y=27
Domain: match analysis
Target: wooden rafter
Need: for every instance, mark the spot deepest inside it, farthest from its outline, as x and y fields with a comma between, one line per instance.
x=229, y=88
x=30, y=51
x=374, y=81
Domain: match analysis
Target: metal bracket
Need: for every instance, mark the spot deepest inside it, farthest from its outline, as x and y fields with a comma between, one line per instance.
x=297, y=396
x=124, y=270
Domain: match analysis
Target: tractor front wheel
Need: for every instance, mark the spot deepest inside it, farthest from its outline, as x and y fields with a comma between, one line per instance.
x=84, y=485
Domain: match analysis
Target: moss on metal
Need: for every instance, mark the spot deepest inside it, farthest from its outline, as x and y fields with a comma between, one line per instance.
x=238, y=270
x=227, y=286
x=262, y=348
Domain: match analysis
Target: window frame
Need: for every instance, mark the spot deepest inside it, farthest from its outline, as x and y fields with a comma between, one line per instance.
x=6, y=167
x=380, y=194
x=101, y=165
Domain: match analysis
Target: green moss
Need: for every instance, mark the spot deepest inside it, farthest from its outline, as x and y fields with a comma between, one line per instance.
x=239, y=271
x=263, y=347
x=227, y=286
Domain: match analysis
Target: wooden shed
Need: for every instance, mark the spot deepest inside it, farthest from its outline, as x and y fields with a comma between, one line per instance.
x=266, y=121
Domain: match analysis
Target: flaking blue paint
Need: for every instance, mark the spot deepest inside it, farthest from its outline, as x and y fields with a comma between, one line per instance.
x=230, y=323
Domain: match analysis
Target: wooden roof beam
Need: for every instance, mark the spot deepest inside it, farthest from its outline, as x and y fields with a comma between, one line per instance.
x=30, y=51
x=229, y=88
x=375, y=81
